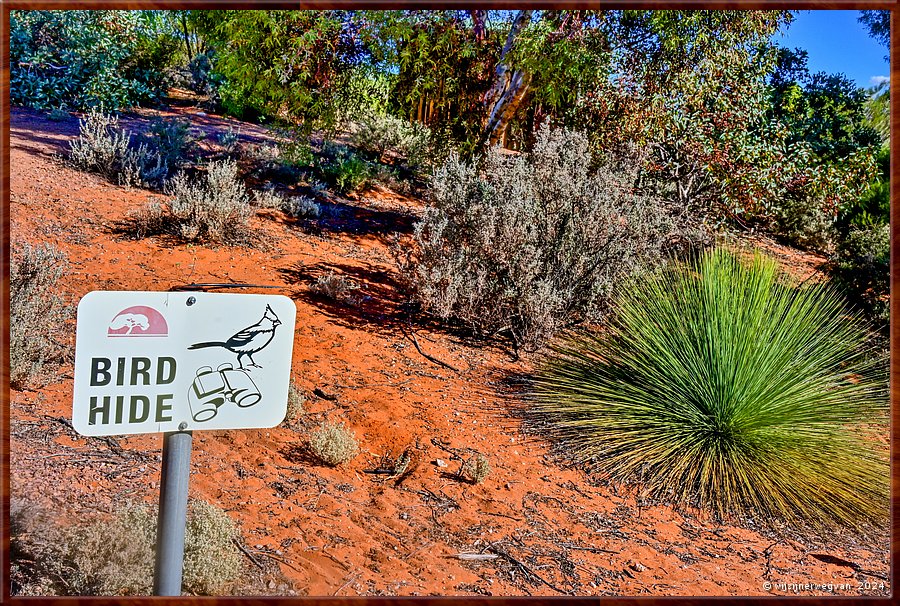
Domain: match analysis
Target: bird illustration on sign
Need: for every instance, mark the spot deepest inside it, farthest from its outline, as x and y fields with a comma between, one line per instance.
x=248, y=341
x=212, y=389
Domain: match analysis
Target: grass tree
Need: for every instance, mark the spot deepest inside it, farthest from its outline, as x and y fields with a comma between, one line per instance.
x=721, y=385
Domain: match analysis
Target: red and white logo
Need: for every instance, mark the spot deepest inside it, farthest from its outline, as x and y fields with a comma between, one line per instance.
x=138, y=321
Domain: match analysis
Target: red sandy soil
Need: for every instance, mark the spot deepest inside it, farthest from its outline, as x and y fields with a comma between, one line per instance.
x=315, y=530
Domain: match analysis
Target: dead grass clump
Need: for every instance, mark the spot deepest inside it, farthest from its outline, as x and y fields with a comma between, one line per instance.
x=211, y=559
x=476, y=469
x=334, y=286
x=37, y=315
x=333, y=444
x=295, y=402
x=116, y=557
x=215, y=209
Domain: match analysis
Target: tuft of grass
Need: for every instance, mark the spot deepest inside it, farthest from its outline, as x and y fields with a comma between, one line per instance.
x=333, y=444
x=295, y=402
x=720, y=385
x=37, y=315
x=334, y=286
x=476, y=469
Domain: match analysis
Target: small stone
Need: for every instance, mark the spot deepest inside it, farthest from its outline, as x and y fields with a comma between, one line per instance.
x=272, y=585
x=441, y=463
x=636, y=566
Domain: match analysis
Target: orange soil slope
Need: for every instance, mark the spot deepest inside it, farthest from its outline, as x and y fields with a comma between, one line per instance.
x=315, y=530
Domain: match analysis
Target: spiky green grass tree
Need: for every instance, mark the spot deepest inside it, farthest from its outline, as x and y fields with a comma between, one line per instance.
x=720, y=385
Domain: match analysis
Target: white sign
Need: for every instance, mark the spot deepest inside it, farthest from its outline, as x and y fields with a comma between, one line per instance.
x=149, y=362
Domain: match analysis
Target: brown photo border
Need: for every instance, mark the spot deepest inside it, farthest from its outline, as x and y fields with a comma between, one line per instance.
x=7, y=6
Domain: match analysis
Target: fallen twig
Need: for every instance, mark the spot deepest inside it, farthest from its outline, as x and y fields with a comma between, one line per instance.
x=585, y=548
x=248, y=554
x=475, y=557
x=277, y=559
x=526, y=569
x=345, y=585
x=412, y=337
x=325, y=396
x=503, y=515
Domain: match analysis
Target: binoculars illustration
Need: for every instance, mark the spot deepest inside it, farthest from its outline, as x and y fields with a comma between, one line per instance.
x=213, y=388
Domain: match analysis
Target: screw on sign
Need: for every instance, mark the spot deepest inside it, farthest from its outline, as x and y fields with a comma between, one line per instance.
x=174, y=362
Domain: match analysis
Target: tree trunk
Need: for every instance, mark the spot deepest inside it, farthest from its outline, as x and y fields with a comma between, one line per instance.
x=187, y=38
x=508, y=90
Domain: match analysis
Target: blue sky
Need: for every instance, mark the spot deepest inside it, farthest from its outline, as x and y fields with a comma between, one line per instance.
x=837, y=43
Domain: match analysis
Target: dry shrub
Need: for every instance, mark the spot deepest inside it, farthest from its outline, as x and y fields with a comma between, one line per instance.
x=527, y=245
x=101, y=146
x=333, y=444
x=105, y=148
x=295, y=402
x=476, y=469
x=215, y=209
x=301, y=207
x=116, y=557
x=211, y=559
x=334, y=286
x=37, y=315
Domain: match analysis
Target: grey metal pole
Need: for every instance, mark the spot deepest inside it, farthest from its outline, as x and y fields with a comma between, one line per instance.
x=173, y=498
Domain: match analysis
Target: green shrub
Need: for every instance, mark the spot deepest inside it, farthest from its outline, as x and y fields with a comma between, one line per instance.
x=37, y=315
x=170, y=140
x=528, y=244
x=721, y=386
x=116, y=556
x=379, y=135
x=345, y=169
x=333, y=444
x=861, y=267
x=215, y=209
x=802, y=223
x=58, y=114
x=204, y=79
x=873, y=207
x=85, y=58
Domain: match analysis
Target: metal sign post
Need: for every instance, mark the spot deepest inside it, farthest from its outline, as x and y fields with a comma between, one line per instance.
x=174, y=362
x=173, y=500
